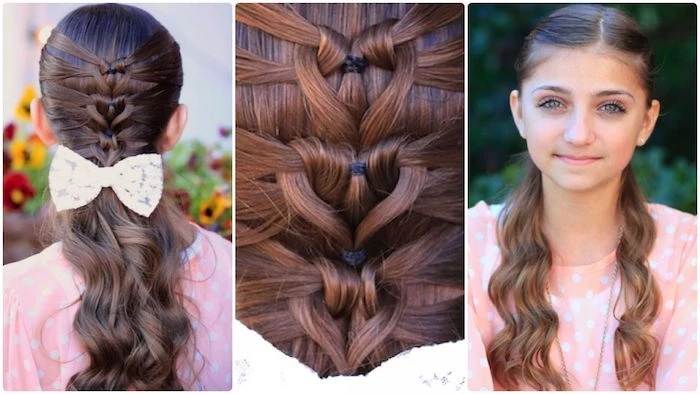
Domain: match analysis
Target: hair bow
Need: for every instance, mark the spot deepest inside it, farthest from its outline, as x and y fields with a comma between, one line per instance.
x=75, y=181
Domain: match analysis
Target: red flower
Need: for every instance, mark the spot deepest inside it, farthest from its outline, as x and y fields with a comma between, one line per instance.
x=215, y=164
x=8, y=132
x=6, y=162
x=17, y=190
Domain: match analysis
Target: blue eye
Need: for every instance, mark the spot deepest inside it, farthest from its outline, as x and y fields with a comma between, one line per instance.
x=613, y=108
x=550, y=104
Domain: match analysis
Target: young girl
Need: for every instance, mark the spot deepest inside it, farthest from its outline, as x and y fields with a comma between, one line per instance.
x=349, y=197
x=576, y=283
x=133, y=296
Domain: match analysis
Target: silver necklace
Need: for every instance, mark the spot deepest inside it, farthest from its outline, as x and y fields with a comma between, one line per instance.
x=602, y=344
x=605, y=326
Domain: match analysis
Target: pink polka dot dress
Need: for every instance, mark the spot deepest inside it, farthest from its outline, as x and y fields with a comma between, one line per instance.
x=42, y=352
x=580, y=298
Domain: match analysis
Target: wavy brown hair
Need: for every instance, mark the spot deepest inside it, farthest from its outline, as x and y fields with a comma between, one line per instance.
x=519, y=353
x=110, y=79
x=301, y=122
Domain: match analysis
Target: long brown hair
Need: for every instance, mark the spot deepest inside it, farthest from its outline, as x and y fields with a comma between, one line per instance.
x=110, y=79
x=349, y=186
x=519, y=353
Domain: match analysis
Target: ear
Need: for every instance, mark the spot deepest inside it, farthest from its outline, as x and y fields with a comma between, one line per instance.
x=173, y=131
x=650, y=117
x=517, y=112
x=40, y=123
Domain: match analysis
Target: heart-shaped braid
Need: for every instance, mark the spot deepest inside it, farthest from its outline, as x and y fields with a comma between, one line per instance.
x=110, y=78
x=114, y=111
x=349, y=179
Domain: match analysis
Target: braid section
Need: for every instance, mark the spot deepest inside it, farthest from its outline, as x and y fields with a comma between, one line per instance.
x=349, y=179
x=108, y=96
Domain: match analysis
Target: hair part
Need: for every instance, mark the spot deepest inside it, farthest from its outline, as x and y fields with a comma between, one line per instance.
x=582, y=25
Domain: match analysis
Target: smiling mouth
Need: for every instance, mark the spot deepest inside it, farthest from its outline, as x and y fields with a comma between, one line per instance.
x=577, y=160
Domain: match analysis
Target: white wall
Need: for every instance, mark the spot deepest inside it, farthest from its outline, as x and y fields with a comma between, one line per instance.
x=204, y=32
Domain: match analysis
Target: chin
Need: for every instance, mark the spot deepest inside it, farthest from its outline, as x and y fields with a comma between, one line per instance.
x=577, y=184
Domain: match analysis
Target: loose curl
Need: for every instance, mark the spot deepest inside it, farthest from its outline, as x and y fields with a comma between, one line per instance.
x=519, y=353
x=110, y=79
x=301, y=123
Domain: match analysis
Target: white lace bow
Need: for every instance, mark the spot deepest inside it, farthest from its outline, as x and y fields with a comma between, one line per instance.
x=75, y=181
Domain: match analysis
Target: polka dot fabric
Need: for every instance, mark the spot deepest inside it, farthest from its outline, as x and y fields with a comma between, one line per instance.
x=580, y=298
x=41, y=350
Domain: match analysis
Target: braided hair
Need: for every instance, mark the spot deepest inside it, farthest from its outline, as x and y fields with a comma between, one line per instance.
x=349, y=179
x=110, y=78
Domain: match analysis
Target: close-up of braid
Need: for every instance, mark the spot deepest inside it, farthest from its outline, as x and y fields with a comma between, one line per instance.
x=350, y=179
x=108, y=100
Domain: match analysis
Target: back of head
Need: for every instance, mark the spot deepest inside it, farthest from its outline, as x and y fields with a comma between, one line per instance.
x=110, y=78
x=349, y=179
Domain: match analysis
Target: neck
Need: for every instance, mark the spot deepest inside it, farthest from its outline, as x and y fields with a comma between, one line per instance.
x=582, y=228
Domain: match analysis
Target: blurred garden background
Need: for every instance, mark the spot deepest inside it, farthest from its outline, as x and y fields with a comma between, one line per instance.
x=199, y=169
x=666, y=166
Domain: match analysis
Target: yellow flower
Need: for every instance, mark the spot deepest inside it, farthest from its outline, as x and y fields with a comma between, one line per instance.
x=212, y=208
x=22, y=110
x=17, y=197
x=19, y=153
x=37, y=152
x=30, y=153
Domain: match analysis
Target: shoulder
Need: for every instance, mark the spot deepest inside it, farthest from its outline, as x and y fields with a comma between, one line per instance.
x=210, y=251
x=483, y=212
x=483, y=209
x=674, y=256
x=671, y=218
x=221, y=247
x=483, y=253
x=209, y=272
x=482, y=225
x=676, y=233
x=45, y=270
x=41, y=286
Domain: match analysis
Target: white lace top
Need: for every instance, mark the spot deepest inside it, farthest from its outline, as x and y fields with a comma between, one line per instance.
x=259, y=367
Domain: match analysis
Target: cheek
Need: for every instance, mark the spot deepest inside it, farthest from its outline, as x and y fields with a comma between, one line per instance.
x=542, y=125
x=540, y=152
x=621, y=152
x=542, y=133
x=619, y=138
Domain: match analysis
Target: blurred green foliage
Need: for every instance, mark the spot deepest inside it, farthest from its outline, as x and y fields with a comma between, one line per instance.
x=667, y=169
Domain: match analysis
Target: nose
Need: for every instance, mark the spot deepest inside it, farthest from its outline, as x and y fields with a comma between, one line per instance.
x=579, y=130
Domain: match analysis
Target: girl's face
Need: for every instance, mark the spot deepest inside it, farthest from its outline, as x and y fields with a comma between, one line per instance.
x=582, y=112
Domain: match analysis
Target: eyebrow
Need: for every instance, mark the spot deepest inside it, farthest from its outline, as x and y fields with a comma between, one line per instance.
x=602, y=93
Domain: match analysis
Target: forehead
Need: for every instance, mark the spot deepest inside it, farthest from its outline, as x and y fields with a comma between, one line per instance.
x=591, y=68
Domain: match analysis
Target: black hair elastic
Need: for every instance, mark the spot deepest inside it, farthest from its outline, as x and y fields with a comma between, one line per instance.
x=358, y=168
x=356, y=257
x=355, y=64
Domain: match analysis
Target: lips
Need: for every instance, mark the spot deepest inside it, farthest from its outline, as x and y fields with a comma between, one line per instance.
x=577, y=160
